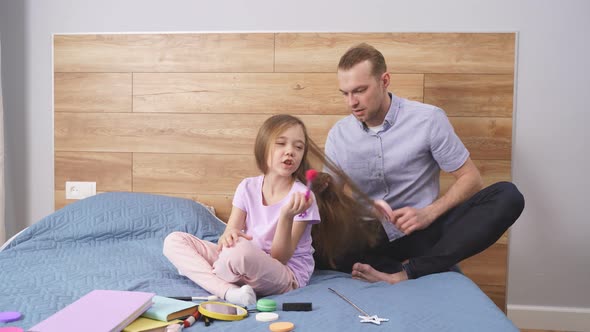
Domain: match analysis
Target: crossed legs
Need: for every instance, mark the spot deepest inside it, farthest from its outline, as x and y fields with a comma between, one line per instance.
x=222, y=273
x=462, y=232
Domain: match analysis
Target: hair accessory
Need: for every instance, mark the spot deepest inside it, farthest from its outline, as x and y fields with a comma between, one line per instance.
x=310, y=175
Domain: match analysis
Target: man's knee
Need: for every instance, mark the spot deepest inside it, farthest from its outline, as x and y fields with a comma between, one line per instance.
x=512, y=195
x=511, y=200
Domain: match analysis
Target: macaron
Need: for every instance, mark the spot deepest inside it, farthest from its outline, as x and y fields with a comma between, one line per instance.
x=281, y=327
x=266, y=305
x=267, y=316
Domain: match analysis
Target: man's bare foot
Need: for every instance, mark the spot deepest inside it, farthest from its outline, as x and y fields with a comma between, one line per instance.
x=368, y=273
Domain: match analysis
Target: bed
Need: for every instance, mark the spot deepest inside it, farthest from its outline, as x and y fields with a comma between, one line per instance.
x=178, y=113
x=114, y=241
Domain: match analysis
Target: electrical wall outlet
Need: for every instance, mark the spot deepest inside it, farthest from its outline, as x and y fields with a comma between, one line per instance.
x=80, y=190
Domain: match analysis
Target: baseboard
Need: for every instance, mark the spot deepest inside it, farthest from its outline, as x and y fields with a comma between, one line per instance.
x=549, y=318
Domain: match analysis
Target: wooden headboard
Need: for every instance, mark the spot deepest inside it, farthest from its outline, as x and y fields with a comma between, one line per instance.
x=176, y=114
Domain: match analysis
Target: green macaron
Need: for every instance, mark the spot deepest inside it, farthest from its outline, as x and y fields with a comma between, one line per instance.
x=266, y=305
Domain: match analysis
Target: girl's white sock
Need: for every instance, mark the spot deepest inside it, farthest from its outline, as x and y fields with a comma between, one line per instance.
x=242, y=296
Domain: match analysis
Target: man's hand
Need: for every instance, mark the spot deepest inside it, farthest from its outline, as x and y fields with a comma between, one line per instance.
x=230, y=237
x=409, y=219
x=406, y=219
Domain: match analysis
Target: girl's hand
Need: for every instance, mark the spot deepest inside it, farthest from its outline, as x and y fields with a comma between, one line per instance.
x=296, y=205
x=230, y=237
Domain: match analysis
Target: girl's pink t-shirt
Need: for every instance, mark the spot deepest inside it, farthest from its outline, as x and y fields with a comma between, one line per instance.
x=261, y=223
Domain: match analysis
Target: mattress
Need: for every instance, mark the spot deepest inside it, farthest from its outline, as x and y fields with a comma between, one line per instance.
x=114, y=241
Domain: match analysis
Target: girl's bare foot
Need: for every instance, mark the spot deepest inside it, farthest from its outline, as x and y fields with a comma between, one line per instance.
x=368, y=273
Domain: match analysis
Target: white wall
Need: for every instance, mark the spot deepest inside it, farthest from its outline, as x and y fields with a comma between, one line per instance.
x=16, y=137
x=549, y=269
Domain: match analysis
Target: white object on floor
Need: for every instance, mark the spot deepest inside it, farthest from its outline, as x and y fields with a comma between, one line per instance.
x=267, y=316
x=373, y=319
x=366, y=318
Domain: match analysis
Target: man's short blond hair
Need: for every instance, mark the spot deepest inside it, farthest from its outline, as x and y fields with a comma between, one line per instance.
x=362, y=52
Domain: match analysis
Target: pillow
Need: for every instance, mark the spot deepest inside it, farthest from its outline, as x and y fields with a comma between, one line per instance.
x=209, y=208
x=123, y=216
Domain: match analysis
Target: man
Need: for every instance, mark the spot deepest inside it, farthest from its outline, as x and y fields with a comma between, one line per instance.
x=394, y=149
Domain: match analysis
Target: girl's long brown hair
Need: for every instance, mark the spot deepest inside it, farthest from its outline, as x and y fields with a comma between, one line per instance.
x=349, y=222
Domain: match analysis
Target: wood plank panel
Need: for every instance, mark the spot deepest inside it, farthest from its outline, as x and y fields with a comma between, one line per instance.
x=491, y=171
x=60, y=200
x=318, y=126
x=504, y=238
x=183, y=133
x=489, y=266
x=180, y=133
x=294, y=93
x=92, y=92
x=485, y=138
x=470, y=95
x=496, y=293
x=214, y=52
x=110, y=171
x=491, y=53
x=488, y=269
x=191, y=173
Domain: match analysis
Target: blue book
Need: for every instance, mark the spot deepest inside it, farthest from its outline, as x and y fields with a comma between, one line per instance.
x=166, y=309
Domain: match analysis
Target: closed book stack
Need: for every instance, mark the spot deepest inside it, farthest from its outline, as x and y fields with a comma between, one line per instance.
x=166, y=309
x=98, y=311
x=143, y=324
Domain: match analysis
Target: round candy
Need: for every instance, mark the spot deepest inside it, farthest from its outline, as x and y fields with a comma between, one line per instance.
x=266, y=305
x=281, y=327
x=9, y=316
x=266, y=316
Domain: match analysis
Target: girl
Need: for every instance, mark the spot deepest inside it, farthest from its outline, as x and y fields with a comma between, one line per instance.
x=266, y=246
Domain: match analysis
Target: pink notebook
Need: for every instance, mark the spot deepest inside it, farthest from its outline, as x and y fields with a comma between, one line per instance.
x=98, y=311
